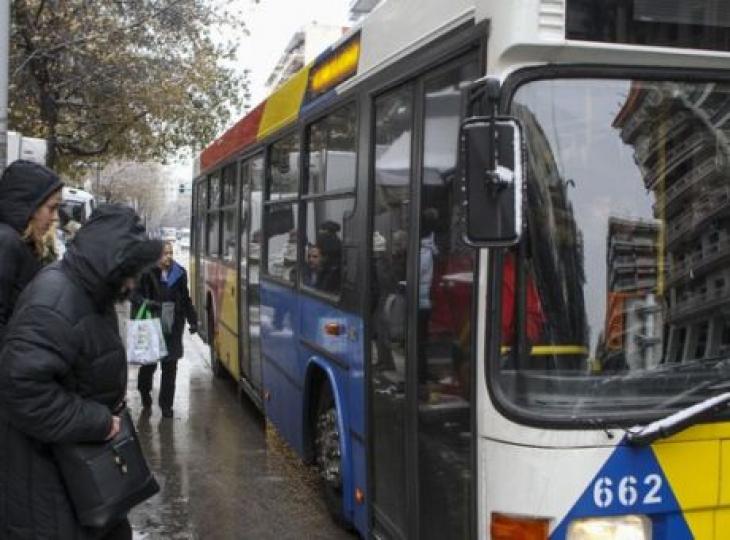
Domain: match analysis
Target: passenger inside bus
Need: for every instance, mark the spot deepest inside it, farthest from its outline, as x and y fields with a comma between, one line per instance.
x=322, y=268
x=320, y=272
x=427, y=256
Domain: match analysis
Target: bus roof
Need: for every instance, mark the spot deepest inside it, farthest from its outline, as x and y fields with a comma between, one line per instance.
x=521, y=33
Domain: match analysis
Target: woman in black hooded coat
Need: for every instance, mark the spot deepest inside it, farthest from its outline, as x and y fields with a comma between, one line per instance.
x=63, y=373
x=29, y=198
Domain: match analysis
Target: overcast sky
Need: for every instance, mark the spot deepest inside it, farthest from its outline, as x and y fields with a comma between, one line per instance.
x=271, y=24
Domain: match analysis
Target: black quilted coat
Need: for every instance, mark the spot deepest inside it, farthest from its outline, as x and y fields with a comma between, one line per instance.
x=62, y=370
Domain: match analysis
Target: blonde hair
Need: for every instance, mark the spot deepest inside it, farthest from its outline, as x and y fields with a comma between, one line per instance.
x=34, y=238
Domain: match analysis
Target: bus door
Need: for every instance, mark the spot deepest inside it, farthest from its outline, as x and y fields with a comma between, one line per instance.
x=422, y=280
x=252, y=172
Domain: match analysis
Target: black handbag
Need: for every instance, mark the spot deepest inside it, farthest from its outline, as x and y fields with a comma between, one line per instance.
x=106, y=480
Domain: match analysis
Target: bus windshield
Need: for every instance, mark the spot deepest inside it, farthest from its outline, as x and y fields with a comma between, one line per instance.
x=615, y=307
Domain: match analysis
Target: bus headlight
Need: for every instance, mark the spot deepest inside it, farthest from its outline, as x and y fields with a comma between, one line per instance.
x=631, y=527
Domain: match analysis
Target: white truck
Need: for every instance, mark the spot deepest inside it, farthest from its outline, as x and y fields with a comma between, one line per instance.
x=77, y=204
x=75, y=210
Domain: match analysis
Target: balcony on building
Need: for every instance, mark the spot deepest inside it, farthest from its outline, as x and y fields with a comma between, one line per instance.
x=692, y=176
x=711, y=252
x=687, y=225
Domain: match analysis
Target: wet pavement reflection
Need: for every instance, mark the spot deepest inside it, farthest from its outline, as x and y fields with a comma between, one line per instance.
x=223, y=472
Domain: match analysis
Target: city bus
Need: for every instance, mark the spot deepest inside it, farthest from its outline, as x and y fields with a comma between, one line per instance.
x=473, y=261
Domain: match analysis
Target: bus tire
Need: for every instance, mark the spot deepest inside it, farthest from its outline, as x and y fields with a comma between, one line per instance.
x=328, y=454
x=215, y=364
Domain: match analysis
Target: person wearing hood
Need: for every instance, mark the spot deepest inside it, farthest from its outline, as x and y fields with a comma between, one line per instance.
x=63, y=373
x=165, y=287
x=30, y=195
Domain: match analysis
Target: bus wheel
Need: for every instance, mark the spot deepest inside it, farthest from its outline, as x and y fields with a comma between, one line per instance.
x=216, y=366
x=328, y=455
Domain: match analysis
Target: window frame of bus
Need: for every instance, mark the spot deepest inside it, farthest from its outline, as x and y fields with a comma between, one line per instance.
x=308, y=197
x=228, y=207
x=200, y=241
x=291, y=200
x=508, y=90
x=213, y=209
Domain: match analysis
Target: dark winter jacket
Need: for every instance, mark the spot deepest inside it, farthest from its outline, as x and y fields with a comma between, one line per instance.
x=63, y=370
x=24, y=186
x=174, y=289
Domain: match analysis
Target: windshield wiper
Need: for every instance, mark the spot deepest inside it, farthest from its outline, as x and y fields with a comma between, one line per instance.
x=674, y=423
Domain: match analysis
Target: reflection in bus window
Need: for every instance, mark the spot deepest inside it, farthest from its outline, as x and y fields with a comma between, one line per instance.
x=228, y=196
x=628, y=242
x=281, y=240
x=200, y=219
x=213, y=224
x=284, y=167
x=214, y=191
x=332, y=157
x=330, y=170
x=393, y=121
x=228, y=250
x=323, y=268
x=444, y=298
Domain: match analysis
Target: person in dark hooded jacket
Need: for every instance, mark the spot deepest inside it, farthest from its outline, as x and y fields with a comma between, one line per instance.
x=63, y=373
x=166, y=283
x=30, y=195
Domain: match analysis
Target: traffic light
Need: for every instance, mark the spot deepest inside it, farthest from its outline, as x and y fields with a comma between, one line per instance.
x=181, y=189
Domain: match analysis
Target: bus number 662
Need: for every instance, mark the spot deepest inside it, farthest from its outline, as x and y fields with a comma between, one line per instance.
x=627, y=490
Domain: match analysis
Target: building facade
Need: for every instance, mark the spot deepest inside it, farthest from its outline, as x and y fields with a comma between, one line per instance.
x=685, y=163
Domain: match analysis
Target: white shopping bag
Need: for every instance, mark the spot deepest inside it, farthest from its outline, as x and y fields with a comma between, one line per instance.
x=145, y=341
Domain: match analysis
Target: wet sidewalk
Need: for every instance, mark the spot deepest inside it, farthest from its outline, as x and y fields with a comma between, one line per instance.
x=223, y=474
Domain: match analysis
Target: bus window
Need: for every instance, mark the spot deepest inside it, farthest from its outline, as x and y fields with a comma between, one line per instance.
x=200, y=218
x=392, y=145
x=332, y=157
x=331, y=169
x=281, y=240
x=228, y=214
x=213, y=234
x=213, y=220
x=214, y=191
x=284, y=168
x=229, y=232
x=322, y=269
x=445, y=285
x=229, y=186
x=626, y=249
x=280, y=219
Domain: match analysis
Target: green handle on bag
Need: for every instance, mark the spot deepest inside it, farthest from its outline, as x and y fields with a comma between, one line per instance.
x=142, y=312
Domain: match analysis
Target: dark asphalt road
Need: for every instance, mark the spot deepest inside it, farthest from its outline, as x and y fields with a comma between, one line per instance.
x=224, y=474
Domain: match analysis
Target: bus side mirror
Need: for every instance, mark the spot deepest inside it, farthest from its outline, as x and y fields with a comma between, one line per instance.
x=492, y=174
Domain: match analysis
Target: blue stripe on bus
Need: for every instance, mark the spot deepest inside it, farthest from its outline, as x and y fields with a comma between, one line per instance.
x=294, y=344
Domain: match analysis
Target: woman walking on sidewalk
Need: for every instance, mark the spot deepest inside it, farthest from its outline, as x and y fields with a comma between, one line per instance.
x=30, y=195
x=166, y=290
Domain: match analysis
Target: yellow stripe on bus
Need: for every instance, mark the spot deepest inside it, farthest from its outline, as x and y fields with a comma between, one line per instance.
x=282, y=107
x=552, y=350
x=693, y=472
